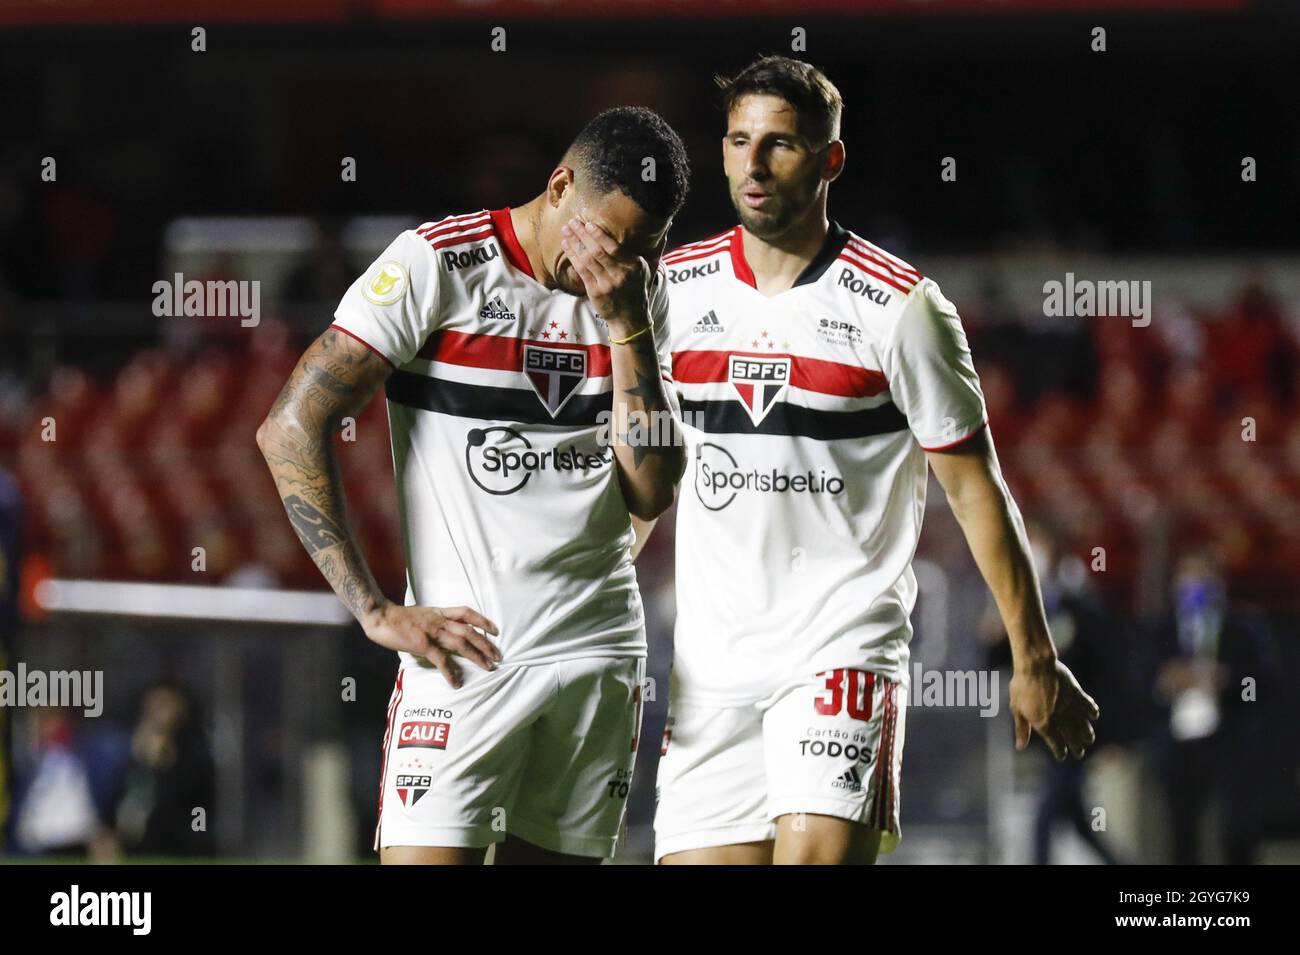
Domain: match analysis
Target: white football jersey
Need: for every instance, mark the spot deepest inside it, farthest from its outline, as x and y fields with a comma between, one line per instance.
x=498, y=406
x=807, y=416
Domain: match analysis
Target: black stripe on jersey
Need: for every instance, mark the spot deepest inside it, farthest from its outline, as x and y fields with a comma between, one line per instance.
x=730, y=417
x=488, y=403
x=836, y=238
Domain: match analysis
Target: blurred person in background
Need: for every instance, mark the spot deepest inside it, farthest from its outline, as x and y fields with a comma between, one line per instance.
x=1090, y=641
x=1208, y=665
x=55, y=812
x=171, y=774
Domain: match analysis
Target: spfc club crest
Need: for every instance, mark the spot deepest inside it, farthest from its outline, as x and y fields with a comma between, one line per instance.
x=759, y=382
x=411, y=788
x=555, y=373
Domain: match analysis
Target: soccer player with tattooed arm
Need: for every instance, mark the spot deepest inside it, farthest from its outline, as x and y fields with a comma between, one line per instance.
x=524, y=354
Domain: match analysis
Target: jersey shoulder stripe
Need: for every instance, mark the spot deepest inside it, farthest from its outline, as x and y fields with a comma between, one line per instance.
x=879, y=264
x=455, y=230
x=875, y=271
x=695, y=250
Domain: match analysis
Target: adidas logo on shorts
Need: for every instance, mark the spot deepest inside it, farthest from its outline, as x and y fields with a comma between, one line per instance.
x=496, y=310
x=849, y=781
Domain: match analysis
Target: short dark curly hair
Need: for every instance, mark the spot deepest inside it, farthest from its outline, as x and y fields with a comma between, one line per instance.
x=613, y=147
x=815, y=99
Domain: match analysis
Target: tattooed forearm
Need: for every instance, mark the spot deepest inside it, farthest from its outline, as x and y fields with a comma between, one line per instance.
x=649, y=388
x=315, y=530
x=648, y=447
x=335, y=378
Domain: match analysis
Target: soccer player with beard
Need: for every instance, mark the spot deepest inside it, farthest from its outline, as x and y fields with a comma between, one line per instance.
x=523, y=353
x=820, y=378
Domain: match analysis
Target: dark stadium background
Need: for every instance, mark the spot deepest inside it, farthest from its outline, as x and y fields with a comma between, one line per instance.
x=1123, y=165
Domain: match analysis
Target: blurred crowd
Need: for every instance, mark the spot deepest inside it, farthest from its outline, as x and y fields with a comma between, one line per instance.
x=1183, y=433
x=102, y=791
x=1194, y=696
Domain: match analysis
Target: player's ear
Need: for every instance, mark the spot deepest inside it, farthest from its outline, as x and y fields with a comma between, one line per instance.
x=834, y=160
x=558, y=185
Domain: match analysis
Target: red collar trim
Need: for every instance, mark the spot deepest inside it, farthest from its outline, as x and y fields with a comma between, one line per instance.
x=738, y=263
x=514, y=252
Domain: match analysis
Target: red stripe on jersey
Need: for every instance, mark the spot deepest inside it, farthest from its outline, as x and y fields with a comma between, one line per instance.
x=366, y=343
x=738, y=262
x=510, y=242
x=697, y=245
x=894, y=265
x=692, y=258
x=454, y=224
x=503, y=352
x=875, y=262
x=875, y=271
x=697, y=250
x=487, y=233
x=809, y=374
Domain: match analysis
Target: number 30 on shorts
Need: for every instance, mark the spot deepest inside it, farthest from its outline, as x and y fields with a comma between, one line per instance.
x=851, y=687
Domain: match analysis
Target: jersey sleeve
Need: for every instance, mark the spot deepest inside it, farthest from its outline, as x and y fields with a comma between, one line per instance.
x=393, y=306
x=661, y=318
x=931, y=375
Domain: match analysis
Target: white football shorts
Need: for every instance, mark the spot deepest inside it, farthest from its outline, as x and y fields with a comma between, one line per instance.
x=832, y=745
x=543, y=752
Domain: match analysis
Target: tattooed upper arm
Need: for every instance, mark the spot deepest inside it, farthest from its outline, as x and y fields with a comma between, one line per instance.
x=336, y=377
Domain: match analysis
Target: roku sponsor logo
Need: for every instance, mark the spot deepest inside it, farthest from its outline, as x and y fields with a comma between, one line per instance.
x=470, y=257
x=425, y=735
x=864, y=288
x=677, y=276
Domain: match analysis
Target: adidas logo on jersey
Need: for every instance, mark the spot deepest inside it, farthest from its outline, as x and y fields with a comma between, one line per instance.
x=709, y=324
x=849, y=781
x=496, y=310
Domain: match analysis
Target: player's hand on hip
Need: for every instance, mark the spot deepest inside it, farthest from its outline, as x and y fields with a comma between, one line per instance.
x=436, y=634
x=616, y=283
x=1048, y=700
